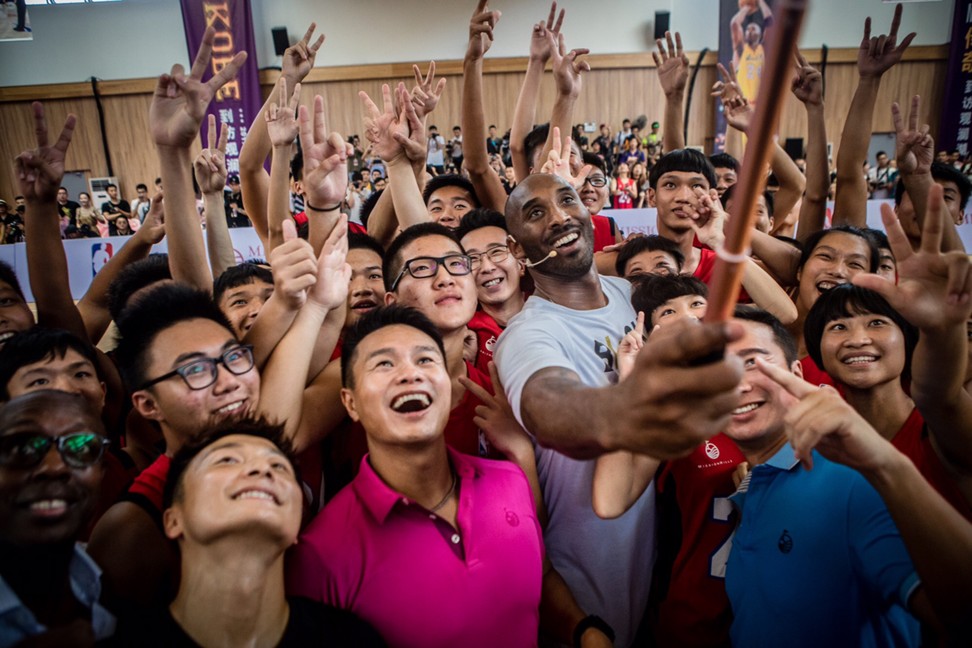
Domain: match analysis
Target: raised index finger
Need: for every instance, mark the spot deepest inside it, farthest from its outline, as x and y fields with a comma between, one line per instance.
x=203, y=55
x=931, y=233
x=792, y=383
x=897, y=239
x=895, y=23
x=309, y=33
x=40, y=124
x=223, y=134
x=66, y=133
x=211, y=132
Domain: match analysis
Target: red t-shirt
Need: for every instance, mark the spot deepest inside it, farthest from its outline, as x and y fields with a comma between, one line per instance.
x=814, y=374
x=353, y=228
x=603, y=232
x=487, y=332
x=695, y=611
x=148, y=486
x=703, y=272
x=913, y=442
x=622, y=199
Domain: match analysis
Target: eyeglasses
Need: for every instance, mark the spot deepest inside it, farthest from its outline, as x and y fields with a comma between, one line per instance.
x=496, y=254
x=425, y=267
x=202, y=372
x=26, y=450
x=595, y=181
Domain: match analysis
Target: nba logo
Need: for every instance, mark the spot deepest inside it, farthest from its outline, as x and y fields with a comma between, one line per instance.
x=100, y=254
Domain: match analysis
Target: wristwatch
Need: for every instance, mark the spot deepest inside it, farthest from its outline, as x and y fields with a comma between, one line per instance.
x=591, y=621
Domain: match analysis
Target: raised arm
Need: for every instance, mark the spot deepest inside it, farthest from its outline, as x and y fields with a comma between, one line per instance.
x=325, y=173
x=673, y=72
x=875, y=57
x=567, y=69
x=543, y=40
x=937, y=537
x=808, y=88
x=934, y=292
x=177, y=110
x=488, y=186
x=39, y=173
x=282, y=128
x=915, y=148
x=93, y=306
x=210, y=170
x=298, y=60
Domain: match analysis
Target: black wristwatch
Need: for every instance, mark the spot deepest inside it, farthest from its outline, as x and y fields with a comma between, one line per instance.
x=592, y=621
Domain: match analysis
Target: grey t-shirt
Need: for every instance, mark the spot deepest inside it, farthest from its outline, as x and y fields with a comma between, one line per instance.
x=606, y=563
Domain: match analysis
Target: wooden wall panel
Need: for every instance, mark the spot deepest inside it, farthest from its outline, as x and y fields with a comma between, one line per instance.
x=610, y=94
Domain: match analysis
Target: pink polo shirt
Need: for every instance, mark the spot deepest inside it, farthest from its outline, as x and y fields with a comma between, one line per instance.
x=416, y=579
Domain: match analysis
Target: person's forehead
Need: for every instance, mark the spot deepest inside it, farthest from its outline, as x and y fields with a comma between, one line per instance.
x=844, y=242
x=192, y=336
x=363, y=257
x=949, y=187
x=70, y=357
x=431, y=245
x=399, y=339
x=483, y=237
x=450, y=193
x=651, y=257
x=254, y=287
x=682, y=176
x=756, y=335
x=49, y=414
x=240, y=442
x=720, y=170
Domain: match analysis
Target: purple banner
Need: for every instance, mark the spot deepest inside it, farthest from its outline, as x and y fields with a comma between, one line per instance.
x=957, y=107
x=239, y=101
x=742, y=32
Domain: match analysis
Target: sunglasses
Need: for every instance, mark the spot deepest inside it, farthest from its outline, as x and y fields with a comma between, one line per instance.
x=26, y=450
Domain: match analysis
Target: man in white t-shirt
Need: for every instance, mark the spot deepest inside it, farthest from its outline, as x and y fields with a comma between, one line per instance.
x=556, y=361
x=436, y=156
x=882, y=177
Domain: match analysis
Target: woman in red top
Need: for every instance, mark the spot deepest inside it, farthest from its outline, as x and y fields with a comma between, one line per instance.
x=624, y=191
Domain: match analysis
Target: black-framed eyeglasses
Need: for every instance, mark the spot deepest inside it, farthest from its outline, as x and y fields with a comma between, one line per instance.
x=597, y=181
x=28, y=449
x=425, y=267
x=496, y=255
x=200, y=373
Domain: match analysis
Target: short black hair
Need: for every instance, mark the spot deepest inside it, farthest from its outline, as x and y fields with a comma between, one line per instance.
x=594, y=160
x=240, y=275
x=368, y=206
x=134, y=277
x=107, y=186
x=449, y=180
x=814, y=240
x=879, y=238
x=160, y=308
x=392, y=262
x=379, y=319
x=651, y=291
x=9, y=277
x=255, y=427
x=942, y=172
x=652, y=243
x=358, y=241
x=848, y=300
x=730, y=193
x=782, y=336
x=536, y=138
x=685, y=160
x=297, y=162
x=724, y=161
x=880, y=153
x=39, y=344
x=141, y=185
x=478, y=218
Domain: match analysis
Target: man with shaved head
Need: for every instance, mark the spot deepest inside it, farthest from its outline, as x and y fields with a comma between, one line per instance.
x=556, y=360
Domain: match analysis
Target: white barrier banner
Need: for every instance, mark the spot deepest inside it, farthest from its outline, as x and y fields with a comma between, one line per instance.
x=87, y=256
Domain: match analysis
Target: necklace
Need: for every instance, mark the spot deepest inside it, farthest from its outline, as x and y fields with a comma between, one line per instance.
x=448, y=495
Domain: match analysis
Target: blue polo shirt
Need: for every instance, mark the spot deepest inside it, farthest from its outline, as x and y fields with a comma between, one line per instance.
x=817, y=560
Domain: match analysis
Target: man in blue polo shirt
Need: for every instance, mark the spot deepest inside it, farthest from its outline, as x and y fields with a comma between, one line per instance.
x=816, y=559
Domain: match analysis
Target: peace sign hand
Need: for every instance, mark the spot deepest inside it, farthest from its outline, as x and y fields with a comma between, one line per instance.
x=40, y=170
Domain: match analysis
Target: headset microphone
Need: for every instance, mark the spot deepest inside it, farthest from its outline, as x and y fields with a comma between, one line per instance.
x=530, y=264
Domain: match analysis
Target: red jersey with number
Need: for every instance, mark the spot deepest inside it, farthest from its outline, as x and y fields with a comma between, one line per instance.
x=487, y=332
x=604, y=230
x=693, y=609
x=914, y=442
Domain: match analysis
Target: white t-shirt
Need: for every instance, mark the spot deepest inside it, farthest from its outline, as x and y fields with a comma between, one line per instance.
x=436, y=148
x=606, y=563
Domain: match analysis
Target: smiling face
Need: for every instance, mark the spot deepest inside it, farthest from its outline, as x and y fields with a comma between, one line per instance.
x=678, y=309
x=836, y=259
x=84, y=199
x=546, y=215
x=367, y=289
x=401, y=392
x=184, y=411
x=71, y=373
x=239, y=484
x=243, y=303
x=863, y=350
x=757, y=421
x=449, y=301
x=496, y=281
x=50, y=503
x=448, y=205
x=15, y=316
x=674, y=197
x=595, y=198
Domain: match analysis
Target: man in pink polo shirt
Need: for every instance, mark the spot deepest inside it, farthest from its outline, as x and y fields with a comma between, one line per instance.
x=430, y=546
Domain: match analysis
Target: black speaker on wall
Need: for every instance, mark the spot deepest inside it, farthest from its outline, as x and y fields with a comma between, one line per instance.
x=661, y=23
x=794, y=147
x=281, y=41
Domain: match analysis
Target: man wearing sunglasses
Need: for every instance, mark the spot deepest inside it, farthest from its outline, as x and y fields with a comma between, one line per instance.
x=51, y=449
x=426, y=268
